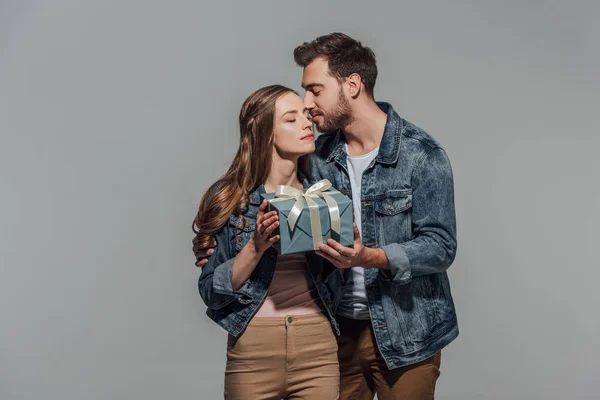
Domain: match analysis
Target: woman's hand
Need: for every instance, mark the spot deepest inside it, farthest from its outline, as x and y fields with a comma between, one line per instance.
x=265, y=225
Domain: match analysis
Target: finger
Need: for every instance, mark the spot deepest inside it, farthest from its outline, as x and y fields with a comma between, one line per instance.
x=271, y=228
x=263, y=229
x=270, y=214
x=202, y=262
x=330, y=252
x=261, y=218
x=263, y=206
x=356, y=233
x=332, y=260
x=342, y=264
x=263, y=226
x=204, y=253
x=274, y=239
x=213, y=243
x=342, y=250
x=268, y=221
x=261, y=209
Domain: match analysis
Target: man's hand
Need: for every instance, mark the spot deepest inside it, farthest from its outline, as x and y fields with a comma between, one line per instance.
x=202, y=254
x=344, y=257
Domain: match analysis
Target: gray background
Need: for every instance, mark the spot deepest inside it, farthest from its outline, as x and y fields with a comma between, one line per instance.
x=116, y=115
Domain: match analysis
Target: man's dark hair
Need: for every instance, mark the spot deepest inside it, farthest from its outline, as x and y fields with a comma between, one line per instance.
x=344, y=55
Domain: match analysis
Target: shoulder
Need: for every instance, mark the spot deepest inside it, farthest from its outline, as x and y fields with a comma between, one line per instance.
x=419, y=137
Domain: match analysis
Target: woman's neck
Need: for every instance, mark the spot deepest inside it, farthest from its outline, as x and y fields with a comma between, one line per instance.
x=283, y=172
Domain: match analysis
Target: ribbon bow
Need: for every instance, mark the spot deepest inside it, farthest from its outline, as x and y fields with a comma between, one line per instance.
x=317, y=190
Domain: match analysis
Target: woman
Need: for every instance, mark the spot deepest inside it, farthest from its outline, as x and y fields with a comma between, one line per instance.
x=278, y=309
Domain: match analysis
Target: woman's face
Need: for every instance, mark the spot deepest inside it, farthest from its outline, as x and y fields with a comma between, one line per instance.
x=293, y=128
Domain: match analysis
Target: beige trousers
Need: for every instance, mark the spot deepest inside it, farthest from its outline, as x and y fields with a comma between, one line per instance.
x=293, y=357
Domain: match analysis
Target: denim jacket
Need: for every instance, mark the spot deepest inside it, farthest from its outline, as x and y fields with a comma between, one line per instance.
x=407, y=209
x=233, y=309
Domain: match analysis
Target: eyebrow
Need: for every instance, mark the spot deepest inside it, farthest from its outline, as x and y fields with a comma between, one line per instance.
x=294, y=112
x=312, y=85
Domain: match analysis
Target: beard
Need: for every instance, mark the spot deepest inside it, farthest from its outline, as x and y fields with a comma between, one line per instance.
x=337, y=118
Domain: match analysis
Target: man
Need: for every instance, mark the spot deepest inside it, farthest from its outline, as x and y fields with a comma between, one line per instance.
x=396, y=313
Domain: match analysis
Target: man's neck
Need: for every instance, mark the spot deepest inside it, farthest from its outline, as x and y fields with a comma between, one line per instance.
x=365, y=132
x=283, y=172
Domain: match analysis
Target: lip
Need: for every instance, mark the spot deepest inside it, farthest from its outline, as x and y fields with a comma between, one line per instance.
x=308, y=137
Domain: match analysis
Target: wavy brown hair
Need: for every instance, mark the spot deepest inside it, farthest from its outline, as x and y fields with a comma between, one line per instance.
x=250, y=167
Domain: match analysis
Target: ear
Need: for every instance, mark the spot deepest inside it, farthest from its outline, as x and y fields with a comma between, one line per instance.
x=354, y=85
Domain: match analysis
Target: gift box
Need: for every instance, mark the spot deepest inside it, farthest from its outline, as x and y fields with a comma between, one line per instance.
x=309, y=217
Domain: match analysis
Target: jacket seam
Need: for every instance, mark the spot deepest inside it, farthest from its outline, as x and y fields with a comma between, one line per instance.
x=421, y=160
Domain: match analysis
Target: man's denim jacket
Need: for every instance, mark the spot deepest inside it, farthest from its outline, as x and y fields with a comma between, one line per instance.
x=233, y=309
x=407, y=209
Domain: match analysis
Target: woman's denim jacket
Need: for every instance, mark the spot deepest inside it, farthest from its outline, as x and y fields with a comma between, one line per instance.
x=233, y=309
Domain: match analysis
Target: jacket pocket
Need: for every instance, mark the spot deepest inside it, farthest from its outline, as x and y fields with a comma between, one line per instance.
x=408, y=315
x=393, y=217
x=416, y=313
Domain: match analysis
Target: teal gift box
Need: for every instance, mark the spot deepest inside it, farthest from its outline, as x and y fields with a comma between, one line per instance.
x=308, y=218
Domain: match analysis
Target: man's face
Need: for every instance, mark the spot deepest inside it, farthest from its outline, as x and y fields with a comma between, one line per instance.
x=325, y=97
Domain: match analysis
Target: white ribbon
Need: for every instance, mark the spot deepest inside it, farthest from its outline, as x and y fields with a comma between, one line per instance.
x=285, y=192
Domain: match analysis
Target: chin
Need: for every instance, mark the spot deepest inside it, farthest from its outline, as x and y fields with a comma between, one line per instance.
x=308, y=148
x=322, y=129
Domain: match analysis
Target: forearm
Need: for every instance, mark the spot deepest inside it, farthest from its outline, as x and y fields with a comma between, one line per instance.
x=429, y=256
x=244, y=264
x=219, y=285
x=375, y=258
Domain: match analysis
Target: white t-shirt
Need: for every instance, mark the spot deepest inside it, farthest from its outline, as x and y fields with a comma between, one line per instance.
x=354, y=298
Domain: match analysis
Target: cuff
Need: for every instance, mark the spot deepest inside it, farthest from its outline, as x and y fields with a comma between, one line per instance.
x=222, y=278
x=398, y=262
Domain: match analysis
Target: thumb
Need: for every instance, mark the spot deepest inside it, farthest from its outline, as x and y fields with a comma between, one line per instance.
x=263, y=207
x=356, y=233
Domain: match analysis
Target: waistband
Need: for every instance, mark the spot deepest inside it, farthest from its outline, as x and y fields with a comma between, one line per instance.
x=302, y=319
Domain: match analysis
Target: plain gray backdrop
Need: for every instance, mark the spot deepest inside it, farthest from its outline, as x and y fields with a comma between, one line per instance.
x=115, y=116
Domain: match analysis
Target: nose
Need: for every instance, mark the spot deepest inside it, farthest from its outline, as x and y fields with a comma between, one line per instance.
x=308, y=124
x=309, y=100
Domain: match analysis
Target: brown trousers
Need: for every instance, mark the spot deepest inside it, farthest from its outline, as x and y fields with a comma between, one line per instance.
x=293, y=357
x=363, y=371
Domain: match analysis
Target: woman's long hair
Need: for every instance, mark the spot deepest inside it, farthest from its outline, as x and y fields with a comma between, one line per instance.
x=250, y=167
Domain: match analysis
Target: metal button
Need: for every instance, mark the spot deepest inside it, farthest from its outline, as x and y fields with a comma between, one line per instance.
x=289, y=320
